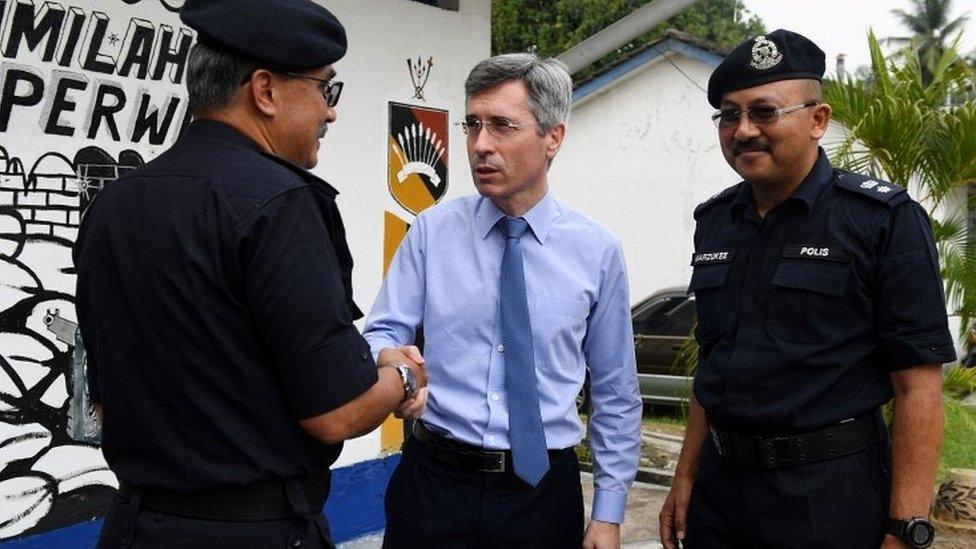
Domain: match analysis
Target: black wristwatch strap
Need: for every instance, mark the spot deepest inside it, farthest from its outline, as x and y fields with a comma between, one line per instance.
x=908, y=530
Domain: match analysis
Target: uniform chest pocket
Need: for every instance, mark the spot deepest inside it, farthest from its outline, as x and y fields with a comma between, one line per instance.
x=712, y=301
x=809, y=300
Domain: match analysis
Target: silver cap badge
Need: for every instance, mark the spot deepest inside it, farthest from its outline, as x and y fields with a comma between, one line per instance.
x=765, y=54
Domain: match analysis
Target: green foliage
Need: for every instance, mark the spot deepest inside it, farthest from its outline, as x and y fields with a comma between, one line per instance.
x=930, y=26
x=554, y=26
x=899, y=128
x=958, y=438
x=686, y=361
x=959, y=382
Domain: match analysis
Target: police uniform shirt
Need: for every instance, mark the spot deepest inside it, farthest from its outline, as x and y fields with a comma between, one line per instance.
x=215, y=305
x=804, y=314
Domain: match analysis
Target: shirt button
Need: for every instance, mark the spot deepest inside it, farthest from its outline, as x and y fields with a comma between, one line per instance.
x=491, y=438
x=501, y=348
x=363, y=354
x=297, y=542
x=933, y=347
x=495, y=397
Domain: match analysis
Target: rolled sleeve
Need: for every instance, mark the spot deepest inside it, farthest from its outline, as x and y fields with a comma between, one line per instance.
x=312, y=388
x=297, y=298
x=912, y=314
x=614, y=426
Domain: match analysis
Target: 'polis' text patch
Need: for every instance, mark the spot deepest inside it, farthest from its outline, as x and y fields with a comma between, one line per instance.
x=812, y=251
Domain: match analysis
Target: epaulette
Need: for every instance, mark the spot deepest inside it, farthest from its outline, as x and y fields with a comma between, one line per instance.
x=715, y=199
x=882, y=191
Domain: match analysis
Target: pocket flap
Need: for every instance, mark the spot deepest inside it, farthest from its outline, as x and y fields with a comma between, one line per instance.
x=830, y=278
x=708, y=276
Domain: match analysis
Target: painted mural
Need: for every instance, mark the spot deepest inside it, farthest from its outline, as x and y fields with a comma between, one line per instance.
x=417, y=169
x=88, y=90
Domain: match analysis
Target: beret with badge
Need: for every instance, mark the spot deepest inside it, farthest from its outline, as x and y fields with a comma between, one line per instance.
x=289, y=34
x=779, y=55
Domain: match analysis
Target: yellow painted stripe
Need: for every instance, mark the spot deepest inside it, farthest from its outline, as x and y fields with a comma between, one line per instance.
x=394, y=229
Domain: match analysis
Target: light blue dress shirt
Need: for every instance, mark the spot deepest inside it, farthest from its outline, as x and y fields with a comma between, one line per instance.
x=444, y=277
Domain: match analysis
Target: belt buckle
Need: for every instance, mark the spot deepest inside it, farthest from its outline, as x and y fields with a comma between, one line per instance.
x=500, y=467
x=774, y=452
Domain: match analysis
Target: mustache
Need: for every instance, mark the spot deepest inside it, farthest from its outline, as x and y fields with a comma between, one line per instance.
x=740, y=147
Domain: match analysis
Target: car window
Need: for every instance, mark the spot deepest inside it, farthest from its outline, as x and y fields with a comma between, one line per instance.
x=649, y=311
x=656, y=318
x=681, y=319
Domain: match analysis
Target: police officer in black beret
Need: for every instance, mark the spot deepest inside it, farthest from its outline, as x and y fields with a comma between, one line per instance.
x=819, y=299
x=215, y=302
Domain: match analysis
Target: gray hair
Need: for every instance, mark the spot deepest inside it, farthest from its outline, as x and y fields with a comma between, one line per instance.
x=213, y=76
x=548, y=83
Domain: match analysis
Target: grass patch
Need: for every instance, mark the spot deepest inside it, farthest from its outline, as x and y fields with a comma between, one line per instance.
x=958, y=438
x=668, y=420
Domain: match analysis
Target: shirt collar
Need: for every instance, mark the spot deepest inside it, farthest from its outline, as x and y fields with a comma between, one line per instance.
x=540, y=218
x=815, y=182
x=806, y=194
x=214, y=130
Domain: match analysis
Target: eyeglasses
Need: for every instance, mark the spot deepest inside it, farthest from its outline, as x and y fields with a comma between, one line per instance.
x=499, y=127
x=761, y=115
x=331, y=89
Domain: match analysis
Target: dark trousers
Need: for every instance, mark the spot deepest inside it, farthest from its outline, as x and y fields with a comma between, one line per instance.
x=433, y=504
x=129, y=525
x=837, y=503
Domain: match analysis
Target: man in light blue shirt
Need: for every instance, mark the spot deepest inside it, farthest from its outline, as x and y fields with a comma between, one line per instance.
x=518, y=296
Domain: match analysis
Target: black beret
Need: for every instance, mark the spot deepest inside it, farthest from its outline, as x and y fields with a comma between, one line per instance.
x=779, y=55
x=290, y=34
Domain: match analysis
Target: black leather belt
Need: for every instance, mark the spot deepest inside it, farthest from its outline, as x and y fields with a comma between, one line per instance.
x=266, y=500
x=847, y=437
x=466, y=456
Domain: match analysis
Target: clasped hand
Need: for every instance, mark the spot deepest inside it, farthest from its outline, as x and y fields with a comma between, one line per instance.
x=410, y=355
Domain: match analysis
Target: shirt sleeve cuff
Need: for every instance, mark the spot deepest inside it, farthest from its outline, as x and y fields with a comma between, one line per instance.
x=609, y=506
x=329, y=377
x=934, y=347
x=377, y=343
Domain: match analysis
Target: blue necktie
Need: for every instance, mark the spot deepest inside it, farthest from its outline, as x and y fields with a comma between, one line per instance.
x=530, y=459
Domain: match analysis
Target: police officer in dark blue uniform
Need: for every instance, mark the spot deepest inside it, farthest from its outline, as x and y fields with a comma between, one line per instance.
x=819, y=299
x=215, y=301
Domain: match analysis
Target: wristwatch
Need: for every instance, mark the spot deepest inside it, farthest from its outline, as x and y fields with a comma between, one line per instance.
x=408, y=379
x=916, y=531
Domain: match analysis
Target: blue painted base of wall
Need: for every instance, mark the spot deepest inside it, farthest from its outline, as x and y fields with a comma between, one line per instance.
x=354, y=508
x=355, y=505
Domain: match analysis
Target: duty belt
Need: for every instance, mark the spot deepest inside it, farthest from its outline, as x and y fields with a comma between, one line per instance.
x=466, y=456
x=265, y=500
x=847, y=437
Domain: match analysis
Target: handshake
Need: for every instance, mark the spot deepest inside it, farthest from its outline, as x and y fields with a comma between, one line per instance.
x=414, y=379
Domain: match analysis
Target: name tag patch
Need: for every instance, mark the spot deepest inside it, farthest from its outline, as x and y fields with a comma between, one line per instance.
x=711, y=258
x=811, y=251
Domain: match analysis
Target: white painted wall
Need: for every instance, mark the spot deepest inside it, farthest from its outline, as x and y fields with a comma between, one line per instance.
x=39, y=466
x=638, y=159
x=354, y=155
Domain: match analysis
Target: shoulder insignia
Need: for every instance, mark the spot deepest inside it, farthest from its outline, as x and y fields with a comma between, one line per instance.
x=876, y=189
x=715, y=199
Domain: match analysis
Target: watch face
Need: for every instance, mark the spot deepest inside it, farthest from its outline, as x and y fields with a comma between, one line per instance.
x=411, y=379
x=920, y=533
